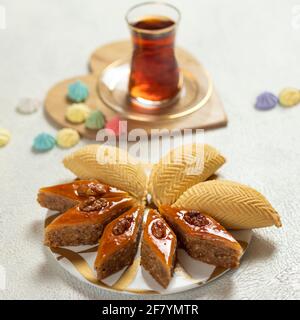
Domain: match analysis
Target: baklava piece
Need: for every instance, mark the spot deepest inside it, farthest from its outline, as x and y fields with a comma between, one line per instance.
x=119, y=243
x=158, y=250
x=202, y=237
x=84, y=223
x=65, y=196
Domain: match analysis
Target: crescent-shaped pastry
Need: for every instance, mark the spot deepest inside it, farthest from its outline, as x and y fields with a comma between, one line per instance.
x=109, y=165
x=182, y=168
x=233, y=205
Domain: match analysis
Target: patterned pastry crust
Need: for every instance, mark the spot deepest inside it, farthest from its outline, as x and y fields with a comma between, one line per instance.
x=175, y=173
x=109, y=165
x=233, y=205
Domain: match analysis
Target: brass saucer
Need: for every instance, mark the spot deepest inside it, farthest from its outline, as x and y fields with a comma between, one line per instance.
x=203, y=107
x=113, y=87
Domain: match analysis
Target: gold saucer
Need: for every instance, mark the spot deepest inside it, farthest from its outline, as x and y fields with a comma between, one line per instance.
x=202, y=106
x=113, y=90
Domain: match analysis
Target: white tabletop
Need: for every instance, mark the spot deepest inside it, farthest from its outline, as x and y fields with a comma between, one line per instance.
x=248, y=47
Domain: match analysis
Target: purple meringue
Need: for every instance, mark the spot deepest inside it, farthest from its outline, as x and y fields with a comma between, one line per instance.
x=266, y=101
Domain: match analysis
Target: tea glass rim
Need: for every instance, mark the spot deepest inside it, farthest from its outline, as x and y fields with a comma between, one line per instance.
x=163, y=30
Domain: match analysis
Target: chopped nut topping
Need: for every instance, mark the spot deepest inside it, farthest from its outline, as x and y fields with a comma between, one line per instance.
x=159, y=229
x=122, y=226
x=196, y=218
x=93, y=204
x=91, y=189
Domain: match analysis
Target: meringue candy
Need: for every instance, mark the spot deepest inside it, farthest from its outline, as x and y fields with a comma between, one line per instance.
x=67, y=138
x=28, y=105
x=4, y=137
x=44, y=142
x=78, y=91
x=77, y=113
x=114, y=125
x=95, y=120
x=266, y=101
x=289, y=97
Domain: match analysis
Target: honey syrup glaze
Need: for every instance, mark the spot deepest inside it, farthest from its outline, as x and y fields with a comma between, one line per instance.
x=81, y=189
x=109, y=209
x=160, y=236
x=121, y=231
x=195, y=223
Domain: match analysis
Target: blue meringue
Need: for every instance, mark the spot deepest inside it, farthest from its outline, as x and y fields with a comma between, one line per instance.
x=78, y=91
x=43, y=142
x=266, y=101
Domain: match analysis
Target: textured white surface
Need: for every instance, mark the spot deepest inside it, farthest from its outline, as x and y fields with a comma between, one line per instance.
x=248, y=46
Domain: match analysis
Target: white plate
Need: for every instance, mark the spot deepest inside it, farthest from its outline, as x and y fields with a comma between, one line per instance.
x=189, y=273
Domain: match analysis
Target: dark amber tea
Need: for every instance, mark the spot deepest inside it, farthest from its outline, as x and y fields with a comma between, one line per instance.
x=155, y=76
x=154, y=23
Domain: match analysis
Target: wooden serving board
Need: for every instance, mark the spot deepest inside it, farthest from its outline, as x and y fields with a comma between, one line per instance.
x=212, y=115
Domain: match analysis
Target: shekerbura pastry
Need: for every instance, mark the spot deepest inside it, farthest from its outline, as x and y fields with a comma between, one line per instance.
x=110, y=165
x=233, y=205
x=180, y=169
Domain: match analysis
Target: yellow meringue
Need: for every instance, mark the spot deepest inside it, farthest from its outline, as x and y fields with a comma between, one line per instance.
x=4, y=137
x=67, y=138
x=77, y=113
x=289, y=97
